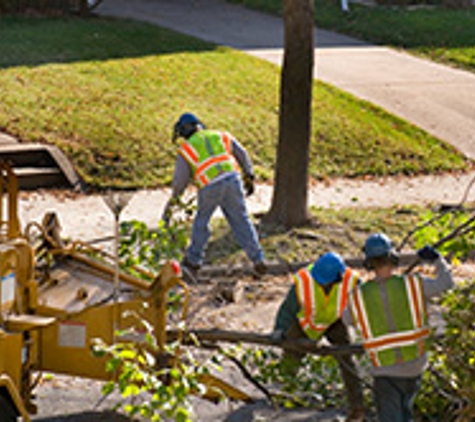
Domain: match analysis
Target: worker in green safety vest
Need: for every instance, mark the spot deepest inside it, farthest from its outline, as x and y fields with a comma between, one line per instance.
x=390, y=314
x=313, y=308
x=213, y=160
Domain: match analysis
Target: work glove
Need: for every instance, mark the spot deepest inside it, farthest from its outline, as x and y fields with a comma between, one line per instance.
x=277, y=336
x=249, y=184
x=428, y=253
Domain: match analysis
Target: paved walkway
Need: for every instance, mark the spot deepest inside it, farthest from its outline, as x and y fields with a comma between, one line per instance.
x=439, y=99
x=95, y=220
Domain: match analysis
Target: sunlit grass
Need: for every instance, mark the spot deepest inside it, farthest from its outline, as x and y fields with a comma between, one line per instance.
x=110, y=101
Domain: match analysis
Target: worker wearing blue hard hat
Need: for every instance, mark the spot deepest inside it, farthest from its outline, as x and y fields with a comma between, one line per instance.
x=313, y=308
x=214, y=160
x=390, y=313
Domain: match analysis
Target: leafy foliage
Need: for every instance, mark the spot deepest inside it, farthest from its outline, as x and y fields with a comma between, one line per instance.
x=444, y=223
x=150, y=248
x=313, y=382
x=154, y=384
x=448, y=392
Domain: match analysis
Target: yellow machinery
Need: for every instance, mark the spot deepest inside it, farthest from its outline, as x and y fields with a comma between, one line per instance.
x=56, y=299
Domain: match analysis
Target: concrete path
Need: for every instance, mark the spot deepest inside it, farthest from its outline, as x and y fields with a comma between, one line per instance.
x=96, y=221
x=439, y=99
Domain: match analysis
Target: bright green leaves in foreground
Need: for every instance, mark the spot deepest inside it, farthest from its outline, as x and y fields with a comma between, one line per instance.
x=449, y=385
x=148, y=388
x=448, y=388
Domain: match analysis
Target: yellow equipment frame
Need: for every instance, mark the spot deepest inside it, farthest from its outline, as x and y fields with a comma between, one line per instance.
x=50, y=316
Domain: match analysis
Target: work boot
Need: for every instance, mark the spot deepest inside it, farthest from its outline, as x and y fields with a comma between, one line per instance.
x=190, y=271
x=260, y=268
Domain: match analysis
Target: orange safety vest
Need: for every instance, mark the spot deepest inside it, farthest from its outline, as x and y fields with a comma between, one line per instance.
x=400, y=337
x=209, y=154
x=319, y=310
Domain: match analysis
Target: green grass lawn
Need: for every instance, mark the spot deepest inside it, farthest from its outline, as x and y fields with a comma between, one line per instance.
x=444, y=35
x=107, y=92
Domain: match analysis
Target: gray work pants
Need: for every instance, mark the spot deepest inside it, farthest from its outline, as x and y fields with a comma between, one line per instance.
x=394, y=398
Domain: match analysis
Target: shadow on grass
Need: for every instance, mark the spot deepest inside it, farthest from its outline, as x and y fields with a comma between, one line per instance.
x=279, y=244
x=33, y=41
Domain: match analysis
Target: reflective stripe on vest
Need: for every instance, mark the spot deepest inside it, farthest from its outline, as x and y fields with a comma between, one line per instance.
x=317, y=309
x=405, y=341
x=209, y=153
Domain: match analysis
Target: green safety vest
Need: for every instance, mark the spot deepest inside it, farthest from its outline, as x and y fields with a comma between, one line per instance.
x=209, y=154
x=396, y=330
x=318, y=310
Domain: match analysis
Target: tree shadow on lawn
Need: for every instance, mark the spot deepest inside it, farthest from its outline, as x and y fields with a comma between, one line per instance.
x=34, y=41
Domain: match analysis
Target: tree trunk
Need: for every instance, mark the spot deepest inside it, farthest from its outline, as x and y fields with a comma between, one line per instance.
x=83, y=7
x=289, y=203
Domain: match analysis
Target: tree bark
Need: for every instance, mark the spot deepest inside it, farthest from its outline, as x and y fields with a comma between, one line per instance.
x=290, y=199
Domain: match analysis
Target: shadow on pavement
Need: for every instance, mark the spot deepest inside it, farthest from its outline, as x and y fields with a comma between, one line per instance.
x=260, y=411
x=87, y=417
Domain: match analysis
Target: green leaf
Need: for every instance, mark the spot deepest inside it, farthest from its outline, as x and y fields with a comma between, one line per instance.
x=108, y=388
x=131, y=390
x=113, y=364
x=128, y=354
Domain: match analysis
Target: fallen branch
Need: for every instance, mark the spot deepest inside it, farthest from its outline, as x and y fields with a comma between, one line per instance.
x=300, y=345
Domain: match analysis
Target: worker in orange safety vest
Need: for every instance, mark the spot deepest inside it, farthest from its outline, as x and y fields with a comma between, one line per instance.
x=390, y=314
x=313, y=308
x=213, y=159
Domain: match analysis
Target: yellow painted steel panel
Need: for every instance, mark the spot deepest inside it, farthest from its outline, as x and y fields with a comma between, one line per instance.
x=66, y=345
x=11, y=355
x=13, y=391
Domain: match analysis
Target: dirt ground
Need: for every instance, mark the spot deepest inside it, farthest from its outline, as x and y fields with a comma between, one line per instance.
x=62, y=398
x=68, y=399
x=253, y=309
x=86, y=217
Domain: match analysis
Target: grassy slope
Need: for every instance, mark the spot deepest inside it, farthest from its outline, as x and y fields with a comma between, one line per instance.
x=108, y=92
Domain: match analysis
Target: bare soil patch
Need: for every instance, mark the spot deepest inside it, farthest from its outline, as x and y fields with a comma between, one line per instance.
x=69, y=399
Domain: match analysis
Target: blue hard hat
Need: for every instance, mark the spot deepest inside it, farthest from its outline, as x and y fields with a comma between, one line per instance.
x=187, y=118
x=328, y=268
x=378, y=245
x=186, y=125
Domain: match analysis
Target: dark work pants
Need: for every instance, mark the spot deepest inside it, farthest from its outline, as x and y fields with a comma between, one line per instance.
x=394, y=398
x=336, y=334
